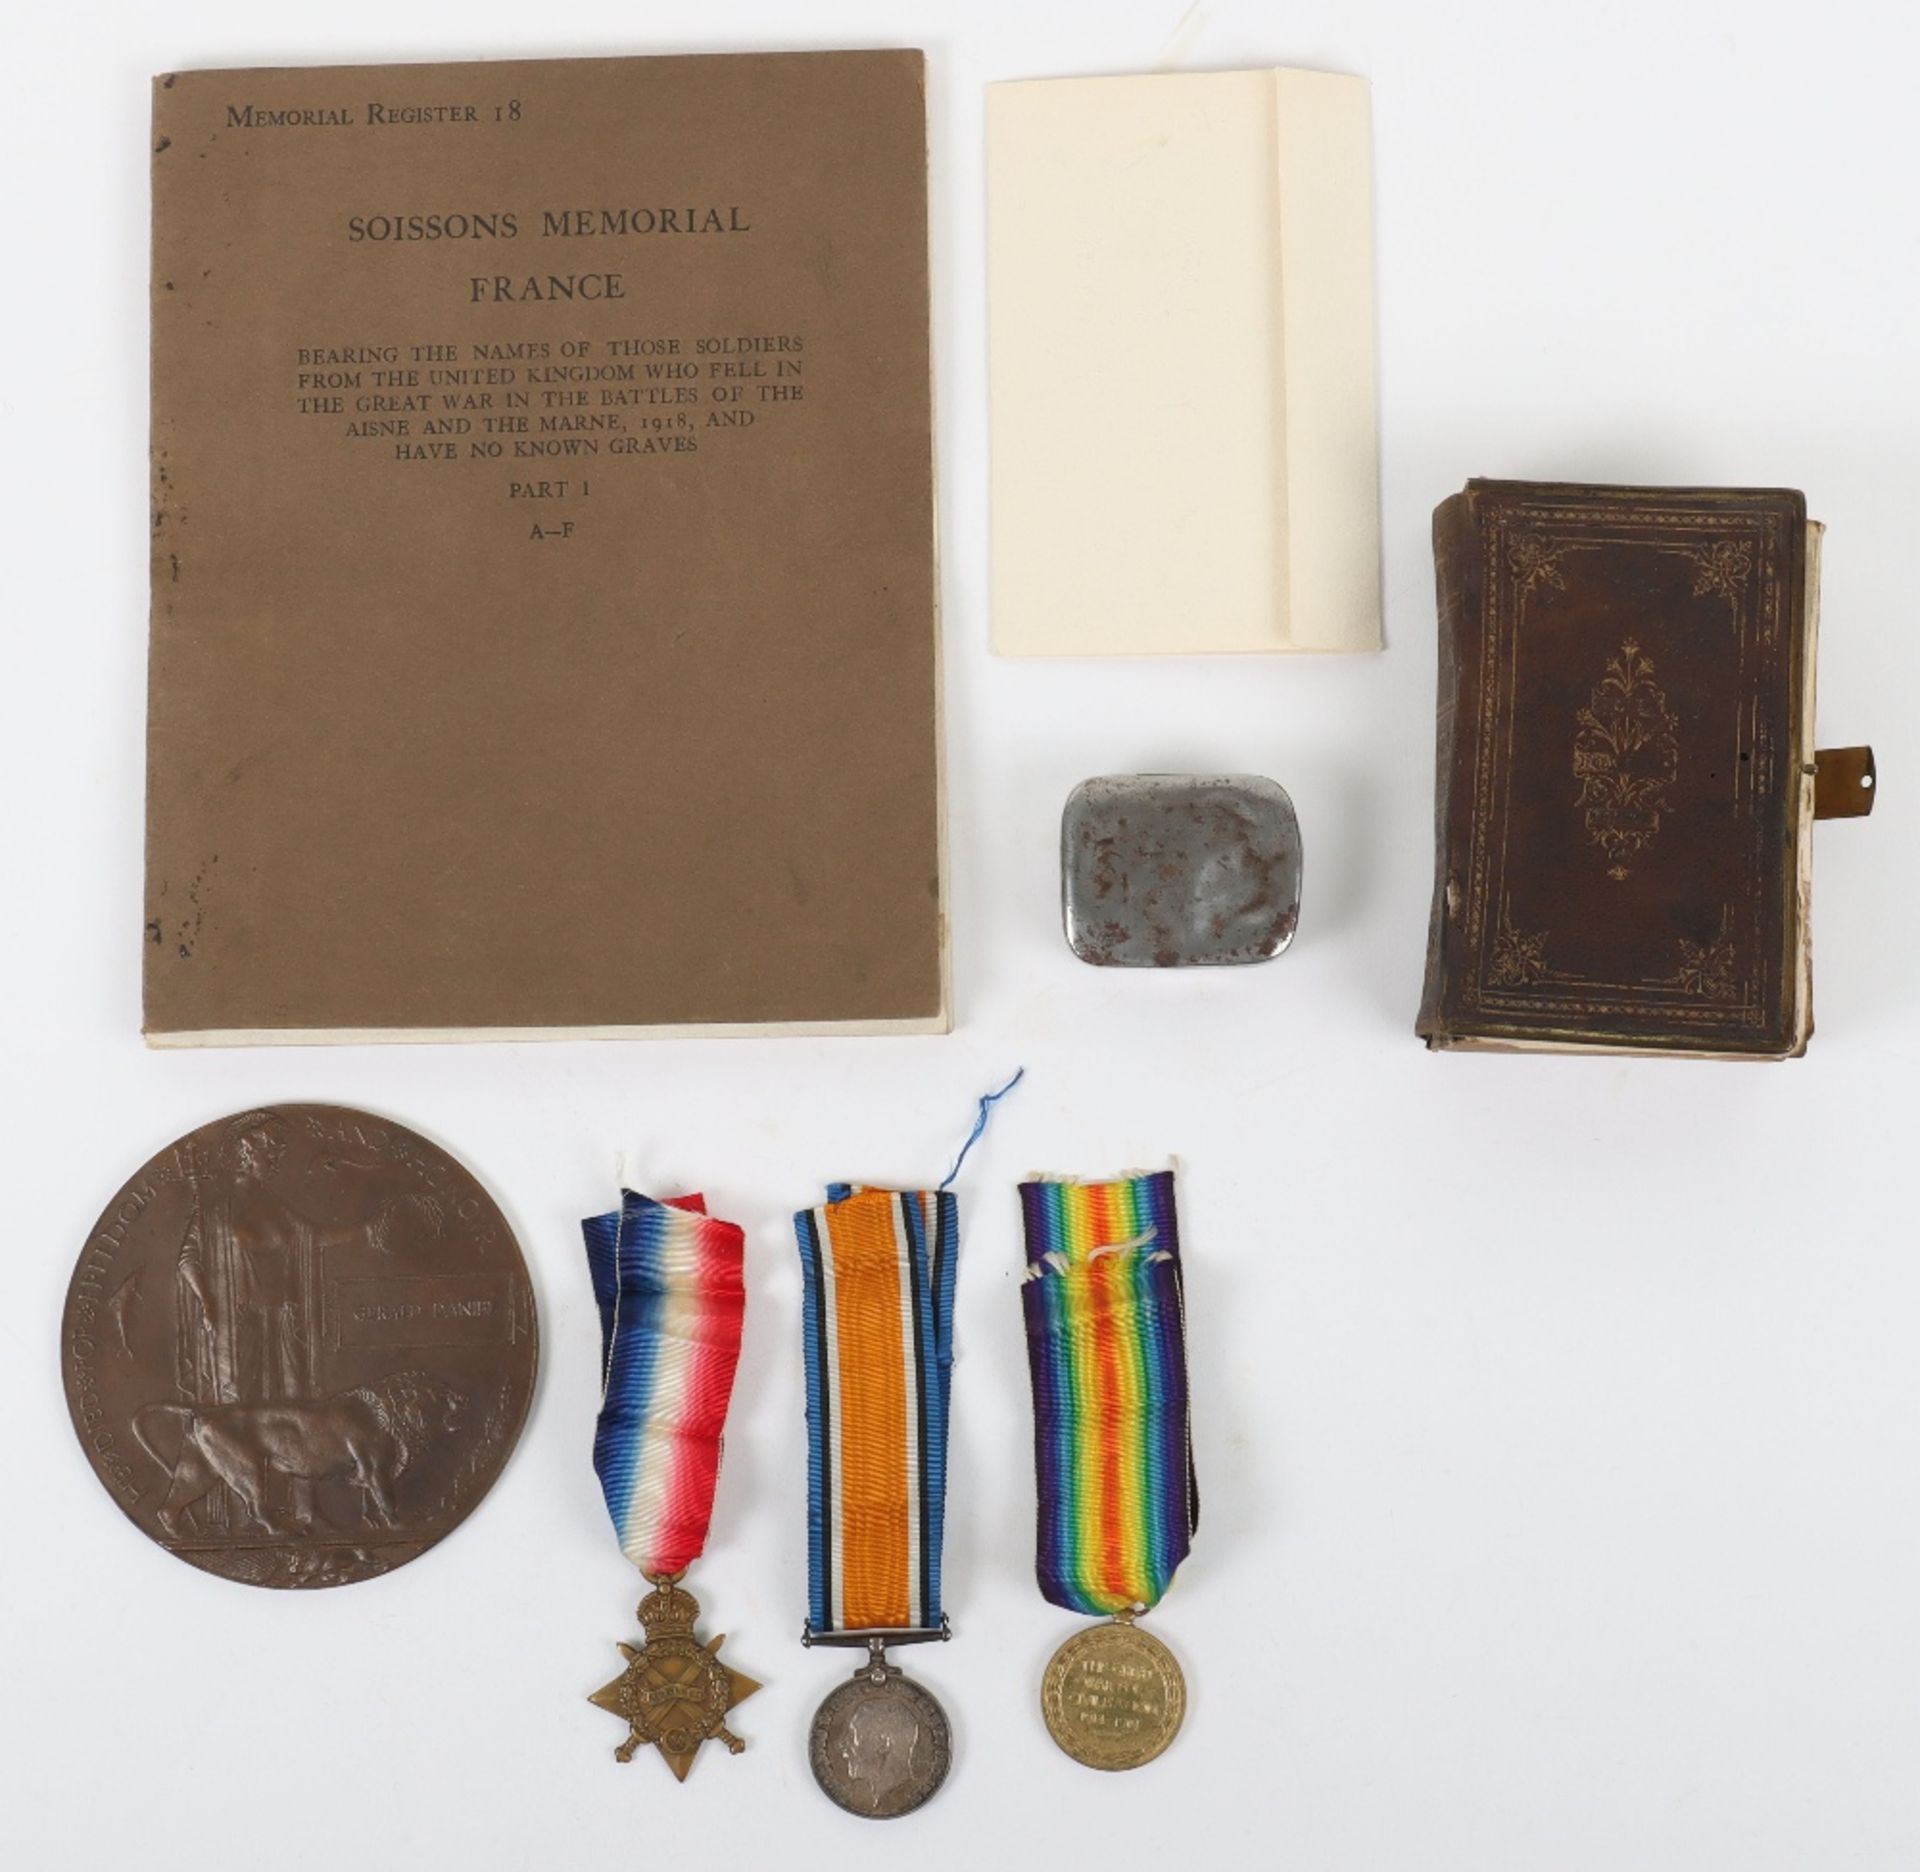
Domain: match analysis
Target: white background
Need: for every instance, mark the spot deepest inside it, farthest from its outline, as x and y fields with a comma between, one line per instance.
x=1556, y=1418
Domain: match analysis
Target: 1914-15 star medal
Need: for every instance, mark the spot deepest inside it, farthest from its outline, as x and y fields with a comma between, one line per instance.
x=675, y=1692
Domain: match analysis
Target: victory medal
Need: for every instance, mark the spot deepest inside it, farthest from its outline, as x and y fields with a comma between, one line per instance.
x=1106, y=1350
x=668, y=1279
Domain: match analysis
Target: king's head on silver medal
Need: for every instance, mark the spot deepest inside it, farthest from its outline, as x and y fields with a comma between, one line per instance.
x=880, y=1746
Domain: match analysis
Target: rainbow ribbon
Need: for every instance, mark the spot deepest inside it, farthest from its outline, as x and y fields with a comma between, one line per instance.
x=878, y=1269
x=668, y=1279
x=1106, y=1346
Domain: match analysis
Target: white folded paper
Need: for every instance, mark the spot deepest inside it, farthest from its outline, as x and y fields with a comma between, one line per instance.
x=1185, y=455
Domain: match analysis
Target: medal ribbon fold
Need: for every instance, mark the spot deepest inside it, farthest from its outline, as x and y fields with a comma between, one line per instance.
x=1106, y=1348
x=669, y=1282
x=878, y=1270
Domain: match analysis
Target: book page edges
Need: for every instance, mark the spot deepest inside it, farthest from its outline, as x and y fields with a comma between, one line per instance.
x=1488, y=1043
x=941, y=1023
x=1801, y=961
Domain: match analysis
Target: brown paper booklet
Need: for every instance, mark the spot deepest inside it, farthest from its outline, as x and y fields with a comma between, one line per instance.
x=544, y=634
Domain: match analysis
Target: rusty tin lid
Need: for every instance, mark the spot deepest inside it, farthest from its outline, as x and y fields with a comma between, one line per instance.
x=1179, y=870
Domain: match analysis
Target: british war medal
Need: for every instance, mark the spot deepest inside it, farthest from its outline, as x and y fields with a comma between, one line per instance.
x=668, y=1279
x=878, y=1269
x=1106, y=1348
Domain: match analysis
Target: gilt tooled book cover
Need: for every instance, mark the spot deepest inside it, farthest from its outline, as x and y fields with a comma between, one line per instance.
x=1626, y=761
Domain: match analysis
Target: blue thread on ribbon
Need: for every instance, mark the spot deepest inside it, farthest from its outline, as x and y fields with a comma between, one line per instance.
x=980, y=1124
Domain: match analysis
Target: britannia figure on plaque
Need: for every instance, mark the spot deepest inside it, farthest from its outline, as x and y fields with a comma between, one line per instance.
x=248, y=1286
x=247, y=1278
x=248, y=1318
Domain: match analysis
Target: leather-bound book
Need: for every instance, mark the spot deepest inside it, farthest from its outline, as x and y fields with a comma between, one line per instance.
x=1627, y=776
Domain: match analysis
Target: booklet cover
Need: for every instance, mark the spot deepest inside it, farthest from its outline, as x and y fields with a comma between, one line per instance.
x=544, y=636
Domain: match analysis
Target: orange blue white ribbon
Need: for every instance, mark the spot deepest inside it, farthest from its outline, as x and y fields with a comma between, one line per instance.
x=1106, y=1350
x=878, y=1273
x=669, y=1282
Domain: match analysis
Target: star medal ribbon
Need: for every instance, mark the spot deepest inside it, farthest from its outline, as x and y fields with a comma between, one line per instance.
x=1106, y=1348
x=878, y=1273
x=668, y=1279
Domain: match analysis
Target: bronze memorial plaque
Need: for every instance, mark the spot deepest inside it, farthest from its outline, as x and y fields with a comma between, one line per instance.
x=299, y=1346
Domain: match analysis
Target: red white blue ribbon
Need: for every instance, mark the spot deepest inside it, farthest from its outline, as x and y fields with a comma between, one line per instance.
x=669, y=1281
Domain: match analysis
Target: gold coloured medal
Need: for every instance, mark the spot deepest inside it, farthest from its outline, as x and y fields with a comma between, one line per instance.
x=1114, y=1696
x=1118, y=1505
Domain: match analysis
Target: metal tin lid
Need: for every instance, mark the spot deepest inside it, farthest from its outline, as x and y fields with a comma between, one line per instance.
x=1179, y=870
